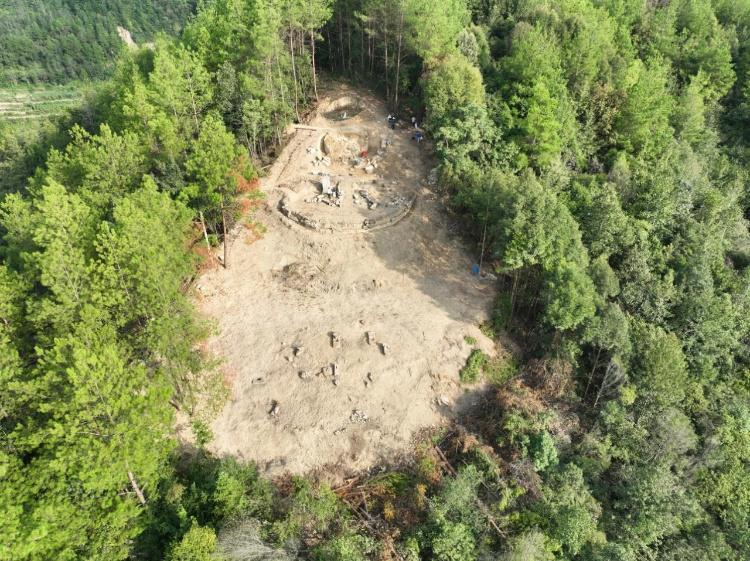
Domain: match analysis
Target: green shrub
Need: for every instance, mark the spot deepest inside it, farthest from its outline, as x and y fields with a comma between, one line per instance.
x=348, y=547
x=452, y=541
x=476, y=361
x=202, y=432
x=409, y=549
x=532, y=546
x=469, y=340
x=501, y=370
x=515, y=431
x=196, y=545
x=457, y=500
x=393, y=482
x=240, y=491
x=229, y=497
x=571, y=513
x=316, y=509
x=501, y=313
x=427, y=469
x=542, y=451
x=487, y=330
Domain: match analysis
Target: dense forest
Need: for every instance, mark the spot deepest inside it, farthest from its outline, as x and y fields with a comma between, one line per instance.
x=597, y=154
x=55, y=41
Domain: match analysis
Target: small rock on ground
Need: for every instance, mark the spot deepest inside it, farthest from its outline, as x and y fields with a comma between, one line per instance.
x=358, y=416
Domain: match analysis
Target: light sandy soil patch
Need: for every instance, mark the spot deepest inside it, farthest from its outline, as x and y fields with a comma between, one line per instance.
x=407, y=284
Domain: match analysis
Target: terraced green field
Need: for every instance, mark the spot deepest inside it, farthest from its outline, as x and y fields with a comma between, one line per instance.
x=34, y=103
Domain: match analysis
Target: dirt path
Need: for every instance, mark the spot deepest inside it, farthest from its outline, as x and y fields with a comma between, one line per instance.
x=408, y=284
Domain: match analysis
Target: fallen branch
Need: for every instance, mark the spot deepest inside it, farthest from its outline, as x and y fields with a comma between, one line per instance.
x=447, y=463
x=309, y=128
x=136, y=488
x=346, y=485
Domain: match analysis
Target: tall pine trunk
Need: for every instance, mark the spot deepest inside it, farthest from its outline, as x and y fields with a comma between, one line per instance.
x=315, y=72
x=398, y=54
x=341, y=44
x=294, y=70
x=385, y=42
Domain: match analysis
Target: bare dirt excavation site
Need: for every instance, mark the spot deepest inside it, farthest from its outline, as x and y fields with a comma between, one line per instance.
x=343, y=327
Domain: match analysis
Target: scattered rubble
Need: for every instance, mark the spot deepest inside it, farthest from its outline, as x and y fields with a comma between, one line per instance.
x=321, y=161
x=396, y=200
x=330, y=195
x=432, y=177
x=335, y=340
x=274, y=409
x=385, y=348
x=371, y=203
x=370, y=338
x=304, y=375
x=358, y=416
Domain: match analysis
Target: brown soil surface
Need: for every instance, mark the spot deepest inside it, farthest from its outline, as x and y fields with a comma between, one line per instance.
x=408, y=283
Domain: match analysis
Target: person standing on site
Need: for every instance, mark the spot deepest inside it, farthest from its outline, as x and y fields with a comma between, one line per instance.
x=414, y=122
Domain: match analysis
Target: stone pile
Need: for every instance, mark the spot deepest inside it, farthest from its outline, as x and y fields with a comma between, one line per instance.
x=331, y=196
x=371, y=203
x=396, y=200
